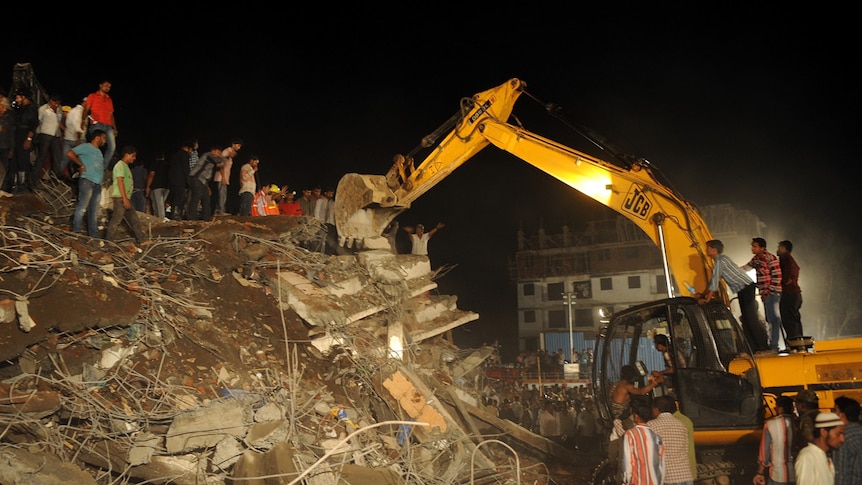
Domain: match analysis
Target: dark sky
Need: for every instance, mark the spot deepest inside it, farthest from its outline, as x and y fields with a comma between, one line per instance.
x=737, y=109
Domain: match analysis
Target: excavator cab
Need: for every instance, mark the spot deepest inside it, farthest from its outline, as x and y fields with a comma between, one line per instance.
x=713, y=376
x=714, y=379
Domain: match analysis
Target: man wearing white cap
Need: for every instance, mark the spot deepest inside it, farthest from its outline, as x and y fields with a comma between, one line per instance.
x=813, y=466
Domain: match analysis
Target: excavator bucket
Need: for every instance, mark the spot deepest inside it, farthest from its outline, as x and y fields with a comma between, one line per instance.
x=364, y=207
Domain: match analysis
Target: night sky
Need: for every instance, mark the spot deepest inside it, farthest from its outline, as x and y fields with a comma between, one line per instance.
x=732, y=108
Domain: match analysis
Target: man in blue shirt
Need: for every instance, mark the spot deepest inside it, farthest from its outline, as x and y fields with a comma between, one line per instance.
x=89, y=160
x=848, y=458
x=740, y=283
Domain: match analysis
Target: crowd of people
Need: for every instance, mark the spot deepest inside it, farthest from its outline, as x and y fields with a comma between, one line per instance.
x=808, y=447
x=566, y=415
x=78, y=146
x=652, y=440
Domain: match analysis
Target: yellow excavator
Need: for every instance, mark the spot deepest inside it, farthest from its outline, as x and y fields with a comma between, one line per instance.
x=720, y=384
x=366, y=204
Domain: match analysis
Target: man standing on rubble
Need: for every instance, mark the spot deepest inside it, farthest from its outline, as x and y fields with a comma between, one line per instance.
x=121, y=197
x=99, y=115
x=88, y=159
x=419, y=238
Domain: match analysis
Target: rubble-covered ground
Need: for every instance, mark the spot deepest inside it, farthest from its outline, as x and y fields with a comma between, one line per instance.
x=235, y=351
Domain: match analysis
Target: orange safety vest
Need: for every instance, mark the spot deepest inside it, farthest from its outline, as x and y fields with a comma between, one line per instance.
x=261, y=207
x=272, y=209
x=258, y=204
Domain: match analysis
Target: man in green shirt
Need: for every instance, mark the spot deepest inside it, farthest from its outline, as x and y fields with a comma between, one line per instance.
x=121, y=192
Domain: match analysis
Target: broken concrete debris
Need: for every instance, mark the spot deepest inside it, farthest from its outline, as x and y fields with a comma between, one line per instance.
x=146, y=365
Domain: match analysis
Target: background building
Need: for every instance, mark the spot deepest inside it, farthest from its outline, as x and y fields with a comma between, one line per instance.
x=611, y=264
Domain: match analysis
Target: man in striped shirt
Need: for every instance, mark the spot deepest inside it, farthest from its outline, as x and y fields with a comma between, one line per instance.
x=642, y=460
x=775, y=459
x=740, y=283
x=767, y=269
x=674, y=436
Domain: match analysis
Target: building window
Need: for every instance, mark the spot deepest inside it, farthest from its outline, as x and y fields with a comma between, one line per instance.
x=529, y=316
x=634, y=281
x=557, y=319
x=606, y=283
x=583, y=289
x=584, y=317
x=660, y=284
x=529, y=289
x=555, y=291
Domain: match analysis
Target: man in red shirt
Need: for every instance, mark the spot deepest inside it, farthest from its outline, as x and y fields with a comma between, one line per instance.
x=288, y=206
x=99, y=115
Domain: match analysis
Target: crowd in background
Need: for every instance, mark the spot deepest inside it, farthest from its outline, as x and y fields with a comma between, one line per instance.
x=37, y=142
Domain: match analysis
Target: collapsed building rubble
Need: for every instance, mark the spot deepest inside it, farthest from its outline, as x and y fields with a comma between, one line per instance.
x=232, y=351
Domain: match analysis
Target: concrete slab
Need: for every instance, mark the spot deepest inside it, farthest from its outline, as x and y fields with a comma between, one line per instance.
x=207, y=425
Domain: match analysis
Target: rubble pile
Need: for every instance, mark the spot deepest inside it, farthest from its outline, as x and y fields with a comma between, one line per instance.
x=236, y=351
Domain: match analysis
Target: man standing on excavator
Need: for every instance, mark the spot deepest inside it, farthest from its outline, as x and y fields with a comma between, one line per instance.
x=741, y=284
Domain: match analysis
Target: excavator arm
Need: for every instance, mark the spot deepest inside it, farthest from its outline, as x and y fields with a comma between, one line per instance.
x=366, y=204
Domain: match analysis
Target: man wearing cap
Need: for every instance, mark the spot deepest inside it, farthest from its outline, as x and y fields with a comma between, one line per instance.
x=813, y=466
x=288, y=206
x=806, y=408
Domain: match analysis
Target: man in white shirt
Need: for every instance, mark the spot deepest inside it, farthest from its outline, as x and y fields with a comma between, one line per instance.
x=324, y=208
x=420, y=238
x=73, y=134
x=48, y=138
x=813, y=466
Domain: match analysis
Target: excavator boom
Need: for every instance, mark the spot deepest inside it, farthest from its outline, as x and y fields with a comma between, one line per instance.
x=366, y=204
